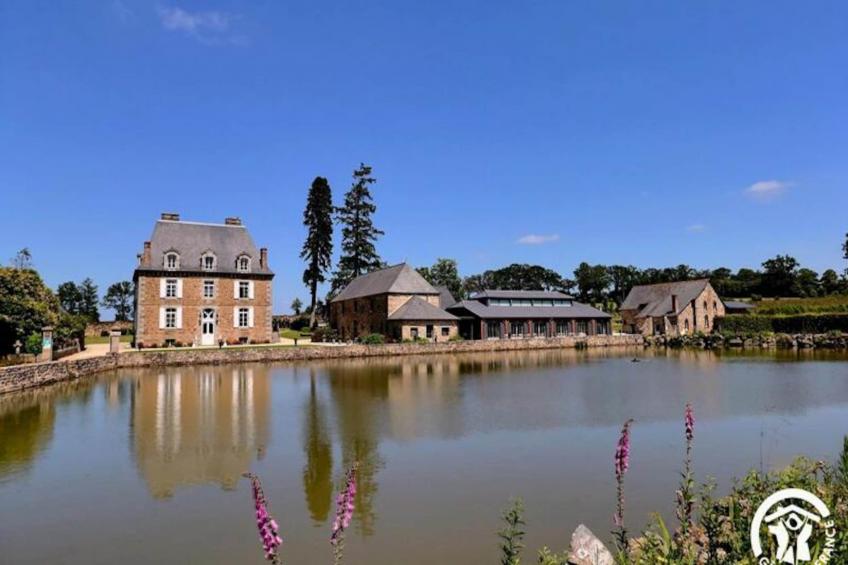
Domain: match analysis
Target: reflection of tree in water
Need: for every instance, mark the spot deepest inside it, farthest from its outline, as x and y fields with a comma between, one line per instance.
x=27, y=419
x=360, y=397
x=318, y=471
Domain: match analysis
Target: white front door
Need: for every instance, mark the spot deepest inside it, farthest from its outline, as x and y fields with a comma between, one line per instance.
x=207, y=327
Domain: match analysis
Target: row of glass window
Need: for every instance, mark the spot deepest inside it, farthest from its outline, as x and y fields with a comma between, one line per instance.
x=528, y=302
x=243, y=318
x=541, y=328
x=208, y=289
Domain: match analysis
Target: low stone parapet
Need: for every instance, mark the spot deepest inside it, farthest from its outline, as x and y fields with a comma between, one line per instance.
x=38, y=374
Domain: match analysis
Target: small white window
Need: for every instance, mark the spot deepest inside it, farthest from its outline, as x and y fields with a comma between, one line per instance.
x=171, y=288
x=244, y=289
x=243, y=317
x=208, y=289
x=207, y=262
x=170, y=318
x=243, y=264
x=172, y=261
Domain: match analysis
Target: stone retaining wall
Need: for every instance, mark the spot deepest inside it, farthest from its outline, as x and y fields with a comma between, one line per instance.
x=38, y=374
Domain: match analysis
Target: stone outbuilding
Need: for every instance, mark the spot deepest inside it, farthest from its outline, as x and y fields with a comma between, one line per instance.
x=396, y=302
x=202, y=284
x=673, y=308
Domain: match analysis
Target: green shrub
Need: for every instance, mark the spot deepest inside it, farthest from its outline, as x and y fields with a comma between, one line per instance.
x=33, y=344
x=456, y=337
x=373, y=339
x=744, y=324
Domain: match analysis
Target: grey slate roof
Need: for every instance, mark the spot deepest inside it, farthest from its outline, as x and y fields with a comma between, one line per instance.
x=192, y=239
x=525, y=294
x=480, y=310
x=416, y=308
x=398, y=279
x=655, y=299
x=445, y=297
x=736, y=305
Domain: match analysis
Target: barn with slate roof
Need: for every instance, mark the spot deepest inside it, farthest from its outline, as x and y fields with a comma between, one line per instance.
x=673, y=308
x=396, y=302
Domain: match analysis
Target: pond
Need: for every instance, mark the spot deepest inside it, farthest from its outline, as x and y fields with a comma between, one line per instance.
x=144, y=466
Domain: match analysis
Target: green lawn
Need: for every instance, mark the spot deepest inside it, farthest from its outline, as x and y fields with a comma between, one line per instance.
x=837, y=303
x=105, y=339
x=292, y=334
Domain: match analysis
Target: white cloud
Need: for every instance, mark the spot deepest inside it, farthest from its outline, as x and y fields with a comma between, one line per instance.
x=534, y=239
x=696, y=228
x=767, y=189
x=208, y=27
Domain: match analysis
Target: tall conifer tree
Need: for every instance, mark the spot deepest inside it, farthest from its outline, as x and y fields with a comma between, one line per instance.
x=318, y=248
x=359, y=255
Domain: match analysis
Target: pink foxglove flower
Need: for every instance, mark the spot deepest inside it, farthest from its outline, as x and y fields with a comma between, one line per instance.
x=268, y=528
x=344, y=513
x=622, y=463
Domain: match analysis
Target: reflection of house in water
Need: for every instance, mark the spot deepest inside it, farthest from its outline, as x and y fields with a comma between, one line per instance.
x=200, y=426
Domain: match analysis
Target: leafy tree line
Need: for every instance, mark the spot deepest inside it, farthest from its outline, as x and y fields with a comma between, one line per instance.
x=781, y=276
x=27, y=305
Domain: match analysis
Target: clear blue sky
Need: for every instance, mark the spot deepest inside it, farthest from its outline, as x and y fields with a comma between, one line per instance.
x=651, y=133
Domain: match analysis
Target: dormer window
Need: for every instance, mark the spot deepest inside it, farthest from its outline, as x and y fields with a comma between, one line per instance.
x=243, y=264
x=207, y=262
x=172, y=261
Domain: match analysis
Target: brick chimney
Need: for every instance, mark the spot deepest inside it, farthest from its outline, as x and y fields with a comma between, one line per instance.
x=171, y=216
x=674, y=303
x=232, y=221
x=145, y=258
x=263, y=258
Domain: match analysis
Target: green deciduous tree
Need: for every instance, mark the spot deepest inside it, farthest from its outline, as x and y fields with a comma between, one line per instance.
x=26, y=306
x=359, y=255
x=119, y=297
x=318, y=248
x=592, y=282
x=70, y=297
x=779, y=275
x=806, y=283
x=830, y=282
x=444, y=272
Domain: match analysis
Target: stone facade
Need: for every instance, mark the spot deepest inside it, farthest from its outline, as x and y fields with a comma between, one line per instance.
x=435, y=331
x=202, y=284
x=192, y=304
x=698, y=315
x=361, y=316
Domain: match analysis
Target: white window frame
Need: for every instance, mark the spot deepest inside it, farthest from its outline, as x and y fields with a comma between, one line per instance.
x=203, y=259
x=209, y=283
x=247, y=286
x=170, y=318
x=245, y=260
x=172, y=288
x=246, y=312
x=176, y=257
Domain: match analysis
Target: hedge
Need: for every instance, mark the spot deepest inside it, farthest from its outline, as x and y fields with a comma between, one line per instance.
x=810, y=323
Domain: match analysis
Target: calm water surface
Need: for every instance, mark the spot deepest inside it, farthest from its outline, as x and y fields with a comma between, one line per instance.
x=143, y=466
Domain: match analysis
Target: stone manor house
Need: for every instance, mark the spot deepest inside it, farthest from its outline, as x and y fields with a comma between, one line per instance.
x=202, y=284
